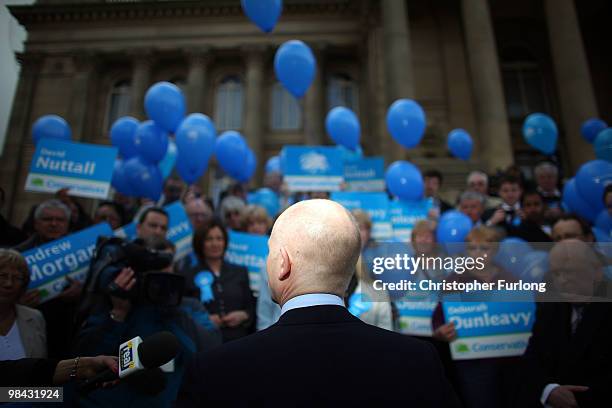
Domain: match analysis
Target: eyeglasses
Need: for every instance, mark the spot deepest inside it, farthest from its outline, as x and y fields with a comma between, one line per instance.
x=51, y=219
x=6, y=277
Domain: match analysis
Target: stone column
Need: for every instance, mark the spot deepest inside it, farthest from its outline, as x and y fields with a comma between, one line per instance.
x=574, y=84
x=398, y=63
x=18, y=132
x=315, y=103
x=492, y=120
x=141, y=78
x=84, y=69
x=196, y=79
x=253, y=121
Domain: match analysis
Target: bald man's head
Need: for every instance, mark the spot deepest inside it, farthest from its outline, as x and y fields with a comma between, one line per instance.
x=314, y=247
x=575, y=268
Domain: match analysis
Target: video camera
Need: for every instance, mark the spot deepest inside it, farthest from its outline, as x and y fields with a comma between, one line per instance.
x=152, y=286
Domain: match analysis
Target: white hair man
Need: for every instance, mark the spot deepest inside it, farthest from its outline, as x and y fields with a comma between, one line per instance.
x=478, y=182
x=318, y=350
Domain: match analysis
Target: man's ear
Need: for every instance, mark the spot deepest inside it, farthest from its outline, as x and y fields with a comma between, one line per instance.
x=285, y=266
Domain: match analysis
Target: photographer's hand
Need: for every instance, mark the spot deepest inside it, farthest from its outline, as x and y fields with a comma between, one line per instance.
x=121, y=307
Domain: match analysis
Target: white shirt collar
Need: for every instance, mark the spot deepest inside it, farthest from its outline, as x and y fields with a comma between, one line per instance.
x=312, y=299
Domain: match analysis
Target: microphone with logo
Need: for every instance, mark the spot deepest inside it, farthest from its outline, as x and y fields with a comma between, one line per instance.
x=140, y=361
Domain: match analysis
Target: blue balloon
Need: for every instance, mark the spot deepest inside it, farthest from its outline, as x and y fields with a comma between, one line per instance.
x=404, y=180
x=52, y=127
x=195, y=142
x=603, y=145
x=165, y=104
x=591, y=181
x=540, y=131
x=166, y=165
x=603, y=222
x=509, y=254
x=406, y=122
x=453, y=227
x=151, y=142
x=295, y=67
x=264, y=13
x=248, y=169
x=123, y=136
x=343, y=127
x=119, y=180
x=144, y=179
x=232, y=152
x=591, y=128
x=460, y=144
x=266, y=198
x=273, y=165
x=533, y=266
x=575, y=203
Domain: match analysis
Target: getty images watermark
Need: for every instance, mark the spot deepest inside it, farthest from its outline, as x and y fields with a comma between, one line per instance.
x=572, y=271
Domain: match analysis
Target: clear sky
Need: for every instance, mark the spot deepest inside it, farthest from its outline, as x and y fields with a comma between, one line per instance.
x=12, y=37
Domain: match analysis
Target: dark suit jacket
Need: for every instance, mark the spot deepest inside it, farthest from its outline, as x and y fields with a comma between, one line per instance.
x=318, y=356
x=231, y=291
x=554, y=355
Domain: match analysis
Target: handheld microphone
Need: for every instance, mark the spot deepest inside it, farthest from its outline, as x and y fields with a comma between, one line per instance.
x=136, y=355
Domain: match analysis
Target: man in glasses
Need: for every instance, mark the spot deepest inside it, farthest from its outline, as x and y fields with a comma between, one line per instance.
x=51, y=222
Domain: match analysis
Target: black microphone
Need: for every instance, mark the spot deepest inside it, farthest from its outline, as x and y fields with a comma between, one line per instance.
x=136, y=355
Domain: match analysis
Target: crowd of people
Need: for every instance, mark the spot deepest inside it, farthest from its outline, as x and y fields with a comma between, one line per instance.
x=121, y=297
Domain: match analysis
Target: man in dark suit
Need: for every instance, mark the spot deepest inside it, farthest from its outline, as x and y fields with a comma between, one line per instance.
x=317, y=353
x=568, y=359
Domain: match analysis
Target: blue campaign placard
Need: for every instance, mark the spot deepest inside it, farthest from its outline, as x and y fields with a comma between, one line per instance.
x=179, y=232
x=415, y=317
x=489, y=329
x=85, y=169
x=365, y=174
x=312, y=168
x=250, y=251
x=375, y=204
x=404, y=215
x=50, y=263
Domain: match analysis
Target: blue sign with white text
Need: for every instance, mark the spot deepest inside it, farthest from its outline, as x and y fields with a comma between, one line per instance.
x=404, y=215
x=375, y=204
x=85, y=169
x=312, y=168
x=250, y=251
x=489, y=329
x=50, y=263
x=365, y=174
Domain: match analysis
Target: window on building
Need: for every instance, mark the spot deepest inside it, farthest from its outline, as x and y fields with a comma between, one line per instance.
x=228, y=104
x=286, y=110
x=342, y=90
x=119, y=101
x=523, y=83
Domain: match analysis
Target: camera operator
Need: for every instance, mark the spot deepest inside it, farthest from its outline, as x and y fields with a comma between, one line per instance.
x=141, y=302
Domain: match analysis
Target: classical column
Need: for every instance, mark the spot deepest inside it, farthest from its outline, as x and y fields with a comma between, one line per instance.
x=84, y=69
x=141, y=78
x=574, y=83
x=491, y=116
x=315, y=103
x=254, y=104
x=18, y=131
x=398, y=63
x=196, y=78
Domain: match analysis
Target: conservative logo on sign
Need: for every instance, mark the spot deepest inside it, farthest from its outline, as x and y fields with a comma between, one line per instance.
x=486, y=329
x=312, y=168
x=85, y=169
x=50, y=263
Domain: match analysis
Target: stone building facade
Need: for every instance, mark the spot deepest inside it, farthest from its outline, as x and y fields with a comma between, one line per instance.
x=475, y=64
